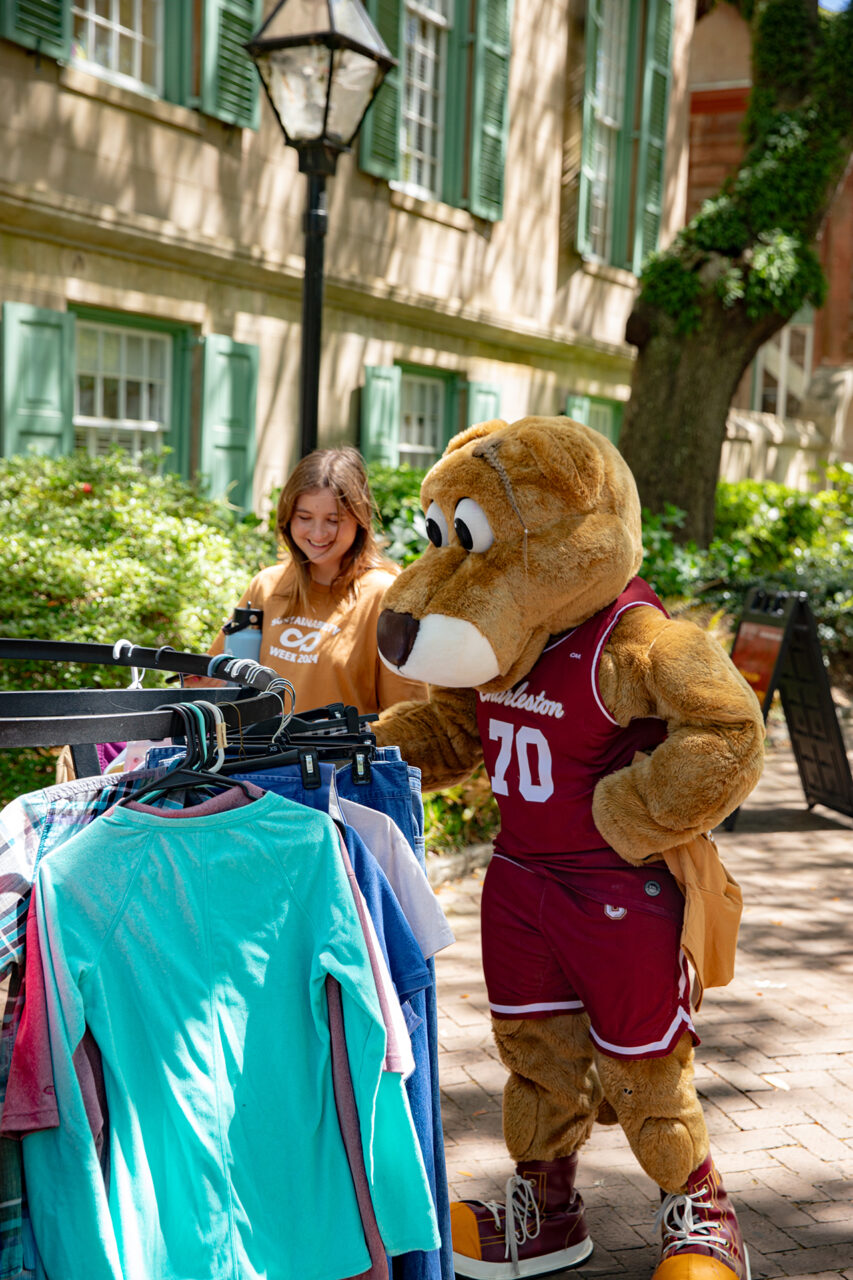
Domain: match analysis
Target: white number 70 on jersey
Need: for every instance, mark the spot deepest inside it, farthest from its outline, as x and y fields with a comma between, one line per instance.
x=524, y=741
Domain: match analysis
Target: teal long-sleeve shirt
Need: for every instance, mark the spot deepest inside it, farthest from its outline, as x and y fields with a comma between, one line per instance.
x=196, y=949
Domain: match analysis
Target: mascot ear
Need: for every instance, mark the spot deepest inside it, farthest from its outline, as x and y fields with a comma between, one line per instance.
x=474, y=433
x=572, y=462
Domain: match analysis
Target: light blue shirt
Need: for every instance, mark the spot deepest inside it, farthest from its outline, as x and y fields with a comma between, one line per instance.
x=196, y=949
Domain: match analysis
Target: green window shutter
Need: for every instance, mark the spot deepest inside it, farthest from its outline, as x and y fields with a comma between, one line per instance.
x=229, y=82
x=484, y=402
x=490, y=108
x=178, y=53
x=229, y=393
x=43, y=25
x=616, y=428
x=38, y=381
x=577, y=408
x=379, y=137
x=592, y=39
x=380, y=414
x=652, y=141
x=454, y=168
x=178, y=436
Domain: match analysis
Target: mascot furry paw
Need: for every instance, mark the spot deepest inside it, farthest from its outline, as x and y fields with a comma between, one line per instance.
x=614, y=738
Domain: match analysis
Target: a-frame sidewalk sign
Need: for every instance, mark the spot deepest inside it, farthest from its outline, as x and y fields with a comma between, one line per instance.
x=777, y=646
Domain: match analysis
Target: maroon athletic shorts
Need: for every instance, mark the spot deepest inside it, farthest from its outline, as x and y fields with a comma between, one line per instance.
x=602, y=941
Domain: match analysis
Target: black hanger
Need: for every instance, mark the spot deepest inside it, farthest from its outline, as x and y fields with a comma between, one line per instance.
x=335, y=734
x=191, y=772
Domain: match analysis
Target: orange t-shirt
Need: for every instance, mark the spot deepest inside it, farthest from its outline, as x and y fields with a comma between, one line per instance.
x=327, y=650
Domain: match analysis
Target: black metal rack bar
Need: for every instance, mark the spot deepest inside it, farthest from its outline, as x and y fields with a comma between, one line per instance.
x=76, y=717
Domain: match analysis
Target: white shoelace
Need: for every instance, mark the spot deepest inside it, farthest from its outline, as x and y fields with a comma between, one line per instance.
x=520, y=1203
x=676, y=1217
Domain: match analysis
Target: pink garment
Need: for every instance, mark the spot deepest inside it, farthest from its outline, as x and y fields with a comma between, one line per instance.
x=30, y=1095
x=347, y=1110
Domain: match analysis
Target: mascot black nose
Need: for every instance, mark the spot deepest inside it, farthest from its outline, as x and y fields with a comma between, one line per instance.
x=396, y=634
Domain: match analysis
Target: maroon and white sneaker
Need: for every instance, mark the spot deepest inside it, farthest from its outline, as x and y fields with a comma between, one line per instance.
x=541, y=1227
x=701, y=1235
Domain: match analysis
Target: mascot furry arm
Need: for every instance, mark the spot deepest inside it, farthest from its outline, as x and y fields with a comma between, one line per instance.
x=534, y=528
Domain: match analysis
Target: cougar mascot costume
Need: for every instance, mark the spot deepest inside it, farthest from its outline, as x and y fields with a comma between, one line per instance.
x=615, y=737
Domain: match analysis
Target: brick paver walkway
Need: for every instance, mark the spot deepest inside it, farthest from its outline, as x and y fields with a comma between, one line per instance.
x=775, y=1068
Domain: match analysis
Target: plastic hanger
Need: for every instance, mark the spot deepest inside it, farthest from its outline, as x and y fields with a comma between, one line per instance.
x=191, y=773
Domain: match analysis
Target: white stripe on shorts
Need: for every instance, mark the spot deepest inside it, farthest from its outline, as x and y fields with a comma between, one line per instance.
x=557, y=1006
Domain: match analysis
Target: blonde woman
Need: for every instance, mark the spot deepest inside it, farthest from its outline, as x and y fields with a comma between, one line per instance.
x=321, y=604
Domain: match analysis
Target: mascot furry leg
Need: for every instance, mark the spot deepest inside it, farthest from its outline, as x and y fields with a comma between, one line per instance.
x=614, y=738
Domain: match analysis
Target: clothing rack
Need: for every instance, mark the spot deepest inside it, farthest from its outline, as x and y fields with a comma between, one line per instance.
x=81, y=717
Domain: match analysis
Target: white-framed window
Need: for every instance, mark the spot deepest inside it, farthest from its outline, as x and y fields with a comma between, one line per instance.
x=122, y=388
x=783, y=368
x=608, y=114
x=120, y=41
x=628, y=46
x=427, y=28
x=422, y=419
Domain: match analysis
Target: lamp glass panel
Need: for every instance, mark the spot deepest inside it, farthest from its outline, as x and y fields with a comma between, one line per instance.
x=351, y=20
x=354, y=80
x=298, y=18
x=298, y=83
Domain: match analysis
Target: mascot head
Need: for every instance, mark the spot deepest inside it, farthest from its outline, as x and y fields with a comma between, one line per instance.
x=533, y=527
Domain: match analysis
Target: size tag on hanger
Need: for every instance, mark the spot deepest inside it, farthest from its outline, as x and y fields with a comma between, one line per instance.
x=361, y=768
x=309, y=763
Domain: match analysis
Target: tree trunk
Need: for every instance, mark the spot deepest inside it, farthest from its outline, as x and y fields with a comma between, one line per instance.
x=675, y=422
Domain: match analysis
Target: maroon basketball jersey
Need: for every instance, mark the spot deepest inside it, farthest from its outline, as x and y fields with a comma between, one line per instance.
x=548, y=740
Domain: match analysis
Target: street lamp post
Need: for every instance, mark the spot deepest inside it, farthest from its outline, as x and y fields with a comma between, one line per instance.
x=321, y=63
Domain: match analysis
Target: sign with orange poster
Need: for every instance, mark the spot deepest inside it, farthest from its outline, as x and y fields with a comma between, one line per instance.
x=755, y=654
x=777, y=647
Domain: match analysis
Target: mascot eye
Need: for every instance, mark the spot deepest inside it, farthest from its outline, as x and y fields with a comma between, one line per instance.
x=472, y=526
x=436, y=526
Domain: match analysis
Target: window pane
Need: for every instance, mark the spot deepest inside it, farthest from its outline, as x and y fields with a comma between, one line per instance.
x=769, y=392
x=86, y=395
x=157, y=359
x=133, y=400
x=797, y=346
x=87, y=348
x=126, y=56
x=111, y=398
x=110, y=352
x=123, y=377
x=155, y=402
x=120, y=39
x=134, y=358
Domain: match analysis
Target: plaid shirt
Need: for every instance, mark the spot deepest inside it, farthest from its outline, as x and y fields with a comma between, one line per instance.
x=30, y=827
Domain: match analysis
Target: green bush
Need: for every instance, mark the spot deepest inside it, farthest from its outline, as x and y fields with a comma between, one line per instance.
x=396, y=492
x=100, y=549
x=770, y=535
